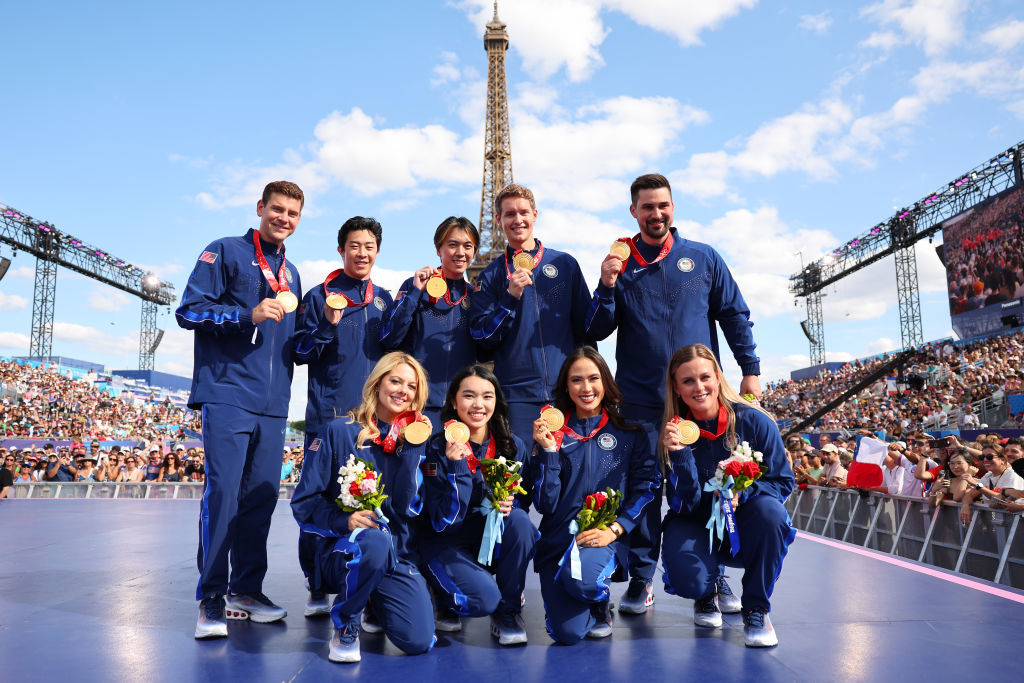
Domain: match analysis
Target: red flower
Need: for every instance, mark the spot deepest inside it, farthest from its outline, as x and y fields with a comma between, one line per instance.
x=732, y=469
x=369, y=475
x=750, y=469
x=599, y=500
x=353, y=488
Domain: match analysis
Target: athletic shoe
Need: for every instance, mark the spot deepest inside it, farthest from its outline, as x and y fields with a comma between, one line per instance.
x=508, y=627
x=758, y=630
x=211, y=622
x=728, y=601
x=369, y=621
x=317, y=604
x=345, y=644
x=255, y=606
x=706, y=612
x=638, y=597
x=447, y=621
x=602, y=612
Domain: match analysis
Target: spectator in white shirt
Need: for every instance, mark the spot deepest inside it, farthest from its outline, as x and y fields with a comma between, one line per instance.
x=998, y=476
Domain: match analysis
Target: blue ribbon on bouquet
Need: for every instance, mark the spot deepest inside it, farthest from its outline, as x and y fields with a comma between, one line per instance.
x=382, y=522
x=722, y=516
x=494, y=527
x=572, y=553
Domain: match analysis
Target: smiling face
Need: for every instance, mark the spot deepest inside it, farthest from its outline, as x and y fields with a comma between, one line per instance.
x=359, y=253
x=653, y=213
x=456, y=253
x=396, y=392
x=517, y=217
x=278, y=217
x=474, y=404
x=696, y=383
x=585, y=388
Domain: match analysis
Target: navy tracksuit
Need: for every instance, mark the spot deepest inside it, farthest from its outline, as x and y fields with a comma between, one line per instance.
x=242, y=382
x=435, y=333
x=340, y=357
x=381, y=564
x=658, y=309
x=616, y=458
x=530, y=337
x=765, y=531
x=453, y=497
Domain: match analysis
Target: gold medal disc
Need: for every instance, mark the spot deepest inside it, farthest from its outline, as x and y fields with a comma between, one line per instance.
x=689, y=432
x=456, y=432
x=554, y=418
x=337, y=301
x=619, y=250
x=288, y=300
x=523, y=260
x=437, y=287
x=416, y=433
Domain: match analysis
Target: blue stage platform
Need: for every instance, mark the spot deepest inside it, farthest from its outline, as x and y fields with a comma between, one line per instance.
x=102, y=590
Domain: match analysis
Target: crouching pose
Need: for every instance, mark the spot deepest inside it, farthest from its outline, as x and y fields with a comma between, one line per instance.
x=369, y=555
x=458, y=560
x=697, y=391
x=594, y=450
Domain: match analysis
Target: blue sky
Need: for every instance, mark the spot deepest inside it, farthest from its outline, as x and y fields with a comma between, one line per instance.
x=786, y=130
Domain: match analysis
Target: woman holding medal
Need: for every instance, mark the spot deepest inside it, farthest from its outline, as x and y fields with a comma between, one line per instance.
x=430, y=316
x=716, y=420
x=360, y=555
x=475, y=416
x=592, y=448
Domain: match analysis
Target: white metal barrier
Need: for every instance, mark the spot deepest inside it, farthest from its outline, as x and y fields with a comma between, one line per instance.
x=991, y=547
x=156, y=490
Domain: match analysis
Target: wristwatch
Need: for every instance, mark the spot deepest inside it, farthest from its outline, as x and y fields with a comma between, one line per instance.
x=616, y=529
x=978, y=486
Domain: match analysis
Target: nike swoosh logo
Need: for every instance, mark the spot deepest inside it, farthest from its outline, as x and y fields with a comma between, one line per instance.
x=256, y=264
x=637, y=270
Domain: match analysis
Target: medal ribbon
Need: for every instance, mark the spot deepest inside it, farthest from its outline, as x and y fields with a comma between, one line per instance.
x=351, y=304
x=471, y=460
x=665, y=248
x=566, y=430
x=389, y=442
x=279, y=283
x=723, y=422
x=536, y=259
x=447, y=294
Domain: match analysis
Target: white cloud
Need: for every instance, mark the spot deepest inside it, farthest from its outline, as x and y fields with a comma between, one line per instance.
x=95, y=341
x=22, y=272
x=685, y=21
x=12, y=302
x=18, y=343
x=934, y=25
x=108, y=299
x=816, y=23
x=882, y=345
x=447, y=71
x=1005, y=36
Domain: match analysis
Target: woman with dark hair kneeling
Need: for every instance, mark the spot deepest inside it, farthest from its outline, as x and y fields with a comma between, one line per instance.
x=458, y=568
x=697, y=391
x=595, y=449
x=370, y=553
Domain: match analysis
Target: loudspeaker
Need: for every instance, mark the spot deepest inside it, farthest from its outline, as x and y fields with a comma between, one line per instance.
x=807, y=332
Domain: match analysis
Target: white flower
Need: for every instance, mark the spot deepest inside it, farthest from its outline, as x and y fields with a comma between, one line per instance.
x=502, y=460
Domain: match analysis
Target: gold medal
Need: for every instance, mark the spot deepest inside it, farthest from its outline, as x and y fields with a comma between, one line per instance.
x=619, y=250
x=554, y=418
x=437, y=287
x=288, y=300
x=337, y=301
x=456, y=432
x=416, y=432
x=523, y=260
x=689, y=432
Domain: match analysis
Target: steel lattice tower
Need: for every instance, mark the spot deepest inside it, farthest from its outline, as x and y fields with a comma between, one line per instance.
x=41, y=342
x=497, y=145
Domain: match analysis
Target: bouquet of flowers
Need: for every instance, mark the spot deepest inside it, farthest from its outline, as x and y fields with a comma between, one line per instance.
x=502, y=479
x=361, y=488
x=743, y=465
x=737, y=472
x=599, y=510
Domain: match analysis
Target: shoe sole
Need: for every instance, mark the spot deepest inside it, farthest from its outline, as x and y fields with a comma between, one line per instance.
x=508, y=640
x=345, y=658
x=211, y=633
x=709, y=624
x=316, y=611
x=757, y=644
x=242, y=615
x=447, y=628
x=594, y=634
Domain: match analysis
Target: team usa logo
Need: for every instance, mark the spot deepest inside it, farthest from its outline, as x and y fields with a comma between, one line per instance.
x=684, y=264
x=607, y=442
x=315, y=445
x=550, y=270
x=208, y=257
x=465, y=303
x=429, y=469
x=288, y=275
x=379, y=303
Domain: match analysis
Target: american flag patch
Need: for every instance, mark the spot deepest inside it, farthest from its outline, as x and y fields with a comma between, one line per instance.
x=315, y=446
x=429, y=469
x=208, y=257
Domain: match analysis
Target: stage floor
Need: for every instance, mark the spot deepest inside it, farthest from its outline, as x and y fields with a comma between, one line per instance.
x=102, y=590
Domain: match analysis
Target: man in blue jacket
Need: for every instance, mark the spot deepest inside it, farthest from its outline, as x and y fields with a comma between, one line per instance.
x=240, y=301
x=668, y=293
x=530, y=318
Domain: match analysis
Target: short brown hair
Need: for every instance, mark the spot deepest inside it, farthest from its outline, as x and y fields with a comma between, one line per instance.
x=650, y=181
x=513, y=190
x=456, y=223
x=286, y=188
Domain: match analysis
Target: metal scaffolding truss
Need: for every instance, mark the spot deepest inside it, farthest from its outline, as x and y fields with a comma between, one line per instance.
x=53, y=248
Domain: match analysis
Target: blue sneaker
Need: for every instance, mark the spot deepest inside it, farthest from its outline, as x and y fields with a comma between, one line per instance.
x=255, y=606
x=317, y=604
x=706, y=612
x=758, y=630
x=508, y=627
x=602, y=613
x=211, y=623
x=638, y=597
x=728, y=601
x=345, y=644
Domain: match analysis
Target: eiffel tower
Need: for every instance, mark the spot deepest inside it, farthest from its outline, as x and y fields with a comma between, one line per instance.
x=497, y=146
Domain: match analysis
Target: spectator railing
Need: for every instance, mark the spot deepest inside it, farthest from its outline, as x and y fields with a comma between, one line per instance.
x=157, y=490
x=991, y=547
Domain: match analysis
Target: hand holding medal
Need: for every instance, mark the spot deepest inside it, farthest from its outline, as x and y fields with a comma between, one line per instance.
x=417, y=432
x=614, y=262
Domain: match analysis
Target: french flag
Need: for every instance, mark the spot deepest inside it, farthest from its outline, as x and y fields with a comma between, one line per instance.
x=866, y=468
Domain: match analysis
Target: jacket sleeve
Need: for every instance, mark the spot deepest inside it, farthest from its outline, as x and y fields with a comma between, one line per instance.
x=205, y=304
x=447, y=494
x=777, y=481
x=492, y=310
x=398, y=320
x=408, y=481
x=318, y=488
x=727, y=306
x=313, y=331
x=642, y=482
x=684, y=486
x=548, y=483
x=600, y=318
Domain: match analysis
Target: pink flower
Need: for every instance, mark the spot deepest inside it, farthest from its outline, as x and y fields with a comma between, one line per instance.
x=367, y=486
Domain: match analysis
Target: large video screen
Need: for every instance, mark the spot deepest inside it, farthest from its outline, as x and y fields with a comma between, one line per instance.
x=984, y=253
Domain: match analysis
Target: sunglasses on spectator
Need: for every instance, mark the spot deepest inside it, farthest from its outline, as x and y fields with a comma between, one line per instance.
x=988, y=456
